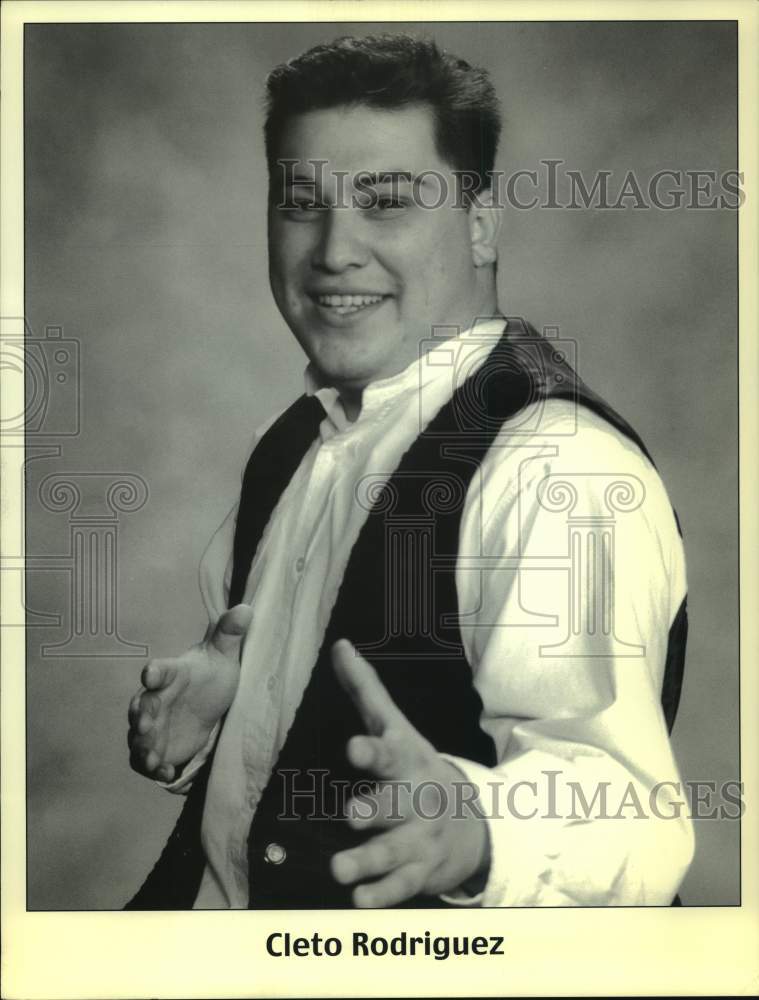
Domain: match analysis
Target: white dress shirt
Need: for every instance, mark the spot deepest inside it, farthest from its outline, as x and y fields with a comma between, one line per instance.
x=570, y=684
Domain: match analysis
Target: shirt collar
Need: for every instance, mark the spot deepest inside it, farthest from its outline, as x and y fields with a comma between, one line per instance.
x=439, y=361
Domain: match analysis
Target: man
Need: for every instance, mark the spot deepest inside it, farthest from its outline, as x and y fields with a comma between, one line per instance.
x=402, y=698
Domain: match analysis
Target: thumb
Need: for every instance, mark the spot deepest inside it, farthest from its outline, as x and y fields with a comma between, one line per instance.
x=230, y=630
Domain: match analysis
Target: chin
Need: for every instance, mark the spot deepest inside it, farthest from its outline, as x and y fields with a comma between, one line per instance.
x=355, y=371
x=347, y=376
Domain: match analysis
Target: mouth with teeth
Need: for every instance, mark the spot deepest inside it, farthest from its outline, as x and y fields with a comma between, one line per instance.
x=344, y=305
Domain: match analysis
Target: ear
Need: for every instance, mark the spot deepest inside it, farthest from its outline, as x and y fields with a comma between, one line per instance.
x=484, y=226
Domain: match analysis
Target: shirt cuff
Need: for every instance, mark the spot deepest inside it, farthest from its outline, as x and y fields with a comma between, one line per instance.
x=521, y=853
x=461, y=896
x=182, y=784
x=548, y=858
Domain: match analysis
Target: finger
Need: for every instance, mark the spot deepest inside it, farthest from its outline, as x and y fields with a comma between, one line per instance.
x=376, y=754
x=134, y=707
x=144, y=724
x=388, y=806
x=144, y=738
x=382, y=854
x=149, y=704
x=140, y=715
x=143, y=760
x=165, y=773
x=366, y=690
x=398, y=886
x=156, y=676
x=230, y=629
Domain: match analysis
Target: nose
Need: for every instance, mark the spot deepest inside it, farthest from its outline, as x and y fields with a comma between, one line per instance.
x=340, y=245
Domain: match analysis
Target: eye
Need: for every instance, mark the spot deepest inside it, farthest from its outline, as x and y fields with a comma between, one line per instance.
x=391, y=203
x=301, y=209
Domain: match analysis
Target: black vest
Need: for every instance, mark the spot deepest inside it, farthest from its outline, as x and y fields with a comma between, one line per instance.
x=398, y=604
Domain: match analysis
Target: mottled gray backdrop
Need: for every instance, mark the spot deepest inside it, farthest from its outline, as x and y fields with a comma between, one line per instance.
x=145, y=242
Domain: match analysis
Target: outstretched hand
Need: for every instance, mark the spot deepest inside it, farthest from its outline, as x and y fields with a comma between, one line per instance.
x=172, y=715
x=425, y=842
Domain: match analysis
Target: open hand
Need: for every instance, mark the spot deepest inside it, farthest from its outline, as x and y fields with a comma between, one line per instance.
x=426, y=842
x=172, y=715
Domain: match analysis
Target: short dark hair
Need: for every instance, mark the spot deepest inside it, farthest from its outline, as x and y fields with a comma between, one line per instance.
x=392, y=71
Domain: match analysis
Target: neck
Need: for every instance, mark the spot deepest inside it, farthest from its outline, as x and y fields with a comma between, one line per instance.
x=486, y=305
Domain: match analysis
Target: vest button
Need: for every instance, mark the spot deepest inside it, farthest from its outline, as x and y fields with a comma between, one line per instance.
x=275, y=854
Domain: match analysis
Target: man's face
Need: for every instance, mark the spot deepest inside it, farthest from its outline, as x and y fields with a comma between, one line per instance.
x=362, y=279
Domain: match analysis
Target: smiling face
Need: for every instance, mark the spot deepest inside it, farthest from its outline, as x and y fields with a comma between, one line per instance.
x=362, y=278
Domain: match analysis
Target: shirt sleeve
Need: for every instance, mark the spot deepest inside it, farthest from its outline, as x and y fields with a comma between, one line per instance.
x=581, y=575
x=215, y=571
